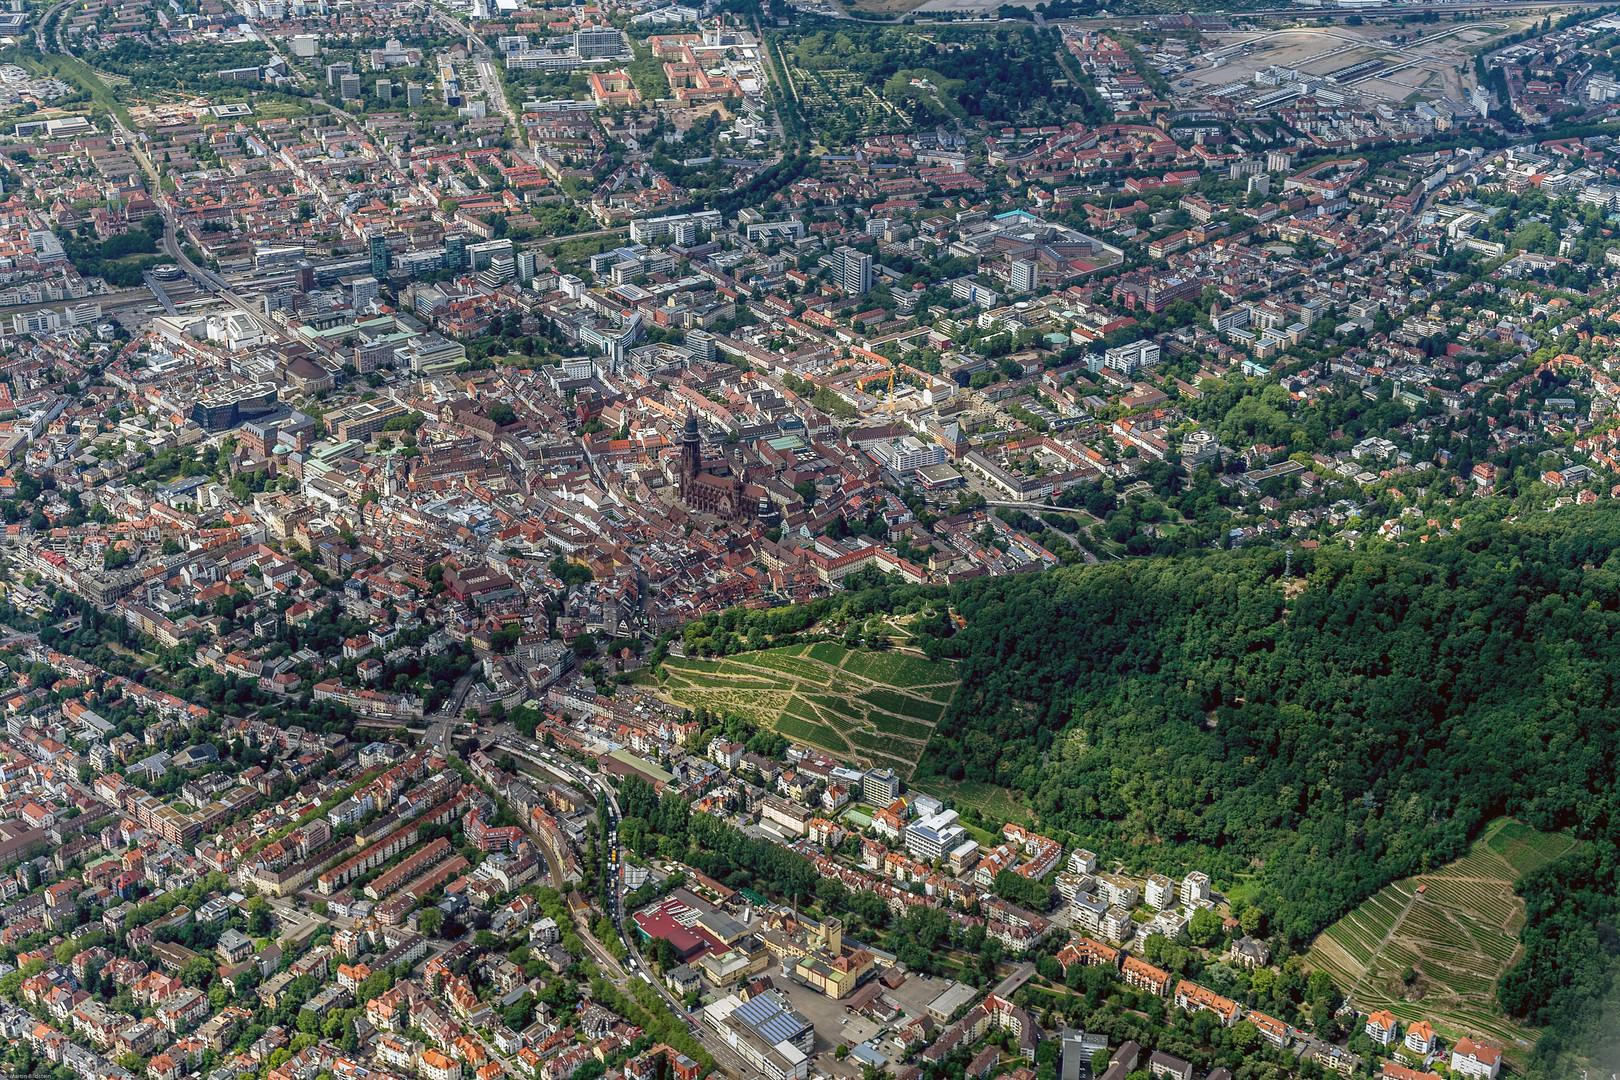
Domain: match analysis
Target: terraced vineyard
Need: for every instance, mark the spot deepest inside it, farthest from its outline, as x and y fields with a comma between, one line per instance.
x=878, y=708
x=1457, y=936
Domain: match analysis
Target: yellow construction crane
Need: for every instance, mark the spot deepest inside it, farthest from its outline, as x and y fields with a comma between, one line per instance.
x=893, y=365
x=888, y=375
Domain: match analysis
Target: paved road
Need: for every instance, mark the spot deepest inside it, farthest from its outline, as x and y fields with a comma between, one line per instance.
x=1020, y=975
x=1041, y=505
x=111, y=298
x=165, y=207
x=270, y=42
x=519, y=747
x=441, y=726
x=297, y=73
x=39, y=28
x=494, y=89
x=171, y=245
x=920, y=17
x=608, y=800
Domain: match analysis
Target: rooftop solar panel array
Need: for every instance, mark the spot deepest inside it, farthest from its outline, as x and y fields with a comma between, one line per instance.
x=767, y=1017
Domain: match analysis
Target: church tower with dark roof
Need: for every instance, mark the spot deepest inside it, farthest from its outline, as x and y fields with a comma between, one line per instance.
x=691, y=455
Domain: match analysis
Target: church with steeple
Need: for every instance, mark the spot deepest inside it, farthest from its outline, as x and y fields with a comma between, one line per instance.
x=712, y=490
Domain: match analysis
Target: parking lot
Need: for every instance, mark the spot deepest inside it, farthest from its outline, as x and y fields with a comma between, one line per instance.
x=836, y=1025
x=916, y=992
x=833, y=1023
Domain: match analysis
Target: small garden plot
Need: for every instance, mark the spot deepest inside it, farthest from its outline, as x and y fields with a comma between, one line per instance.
x=740, y=682
x=1479, y=863
x=694, y=664
x=892, y=702
x=815, y=734
x=898, y=670
x=894, y=725
x=844, y=706
x=1497, y=945
x=1350, y=942
x=781, y=660
x=1525, y=849
x=1332, y=957
x=827, y=653
x=838, y=722
x=798, y=706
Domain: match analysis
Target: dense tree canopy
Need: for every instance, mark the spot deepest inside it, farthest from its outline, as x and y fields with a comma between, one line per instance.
x=997, y=76
x=1185, y=712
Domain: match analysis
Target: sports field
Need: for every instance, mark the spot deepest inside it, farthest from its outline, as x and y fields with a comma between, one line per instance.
x=875, y=707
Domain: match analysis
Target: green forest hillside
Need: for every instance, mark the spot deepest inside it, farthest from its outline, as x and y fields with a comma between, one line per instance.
x=1183, y=713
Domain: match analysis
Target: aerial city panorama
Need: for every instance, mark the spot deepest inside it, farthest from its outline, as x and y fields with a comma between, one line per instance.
x=809, y=540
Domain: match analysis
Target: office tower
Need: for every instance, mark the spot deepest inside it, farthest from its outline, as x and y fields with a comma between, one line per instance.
x=455, y=251
x=701, y=343
x=378, y=246
x=1025, y=274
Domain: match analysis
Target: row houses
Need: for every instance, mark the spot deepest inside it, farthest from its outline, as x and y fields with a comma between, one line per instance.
x=385, y=849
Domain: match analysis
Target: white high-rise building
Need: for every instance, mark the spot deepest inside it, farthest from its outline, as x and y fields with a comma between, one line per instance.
x=1195, y=887
x=854, y=271
x=702, y=344
x=594, y=41
x=1026, y=274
